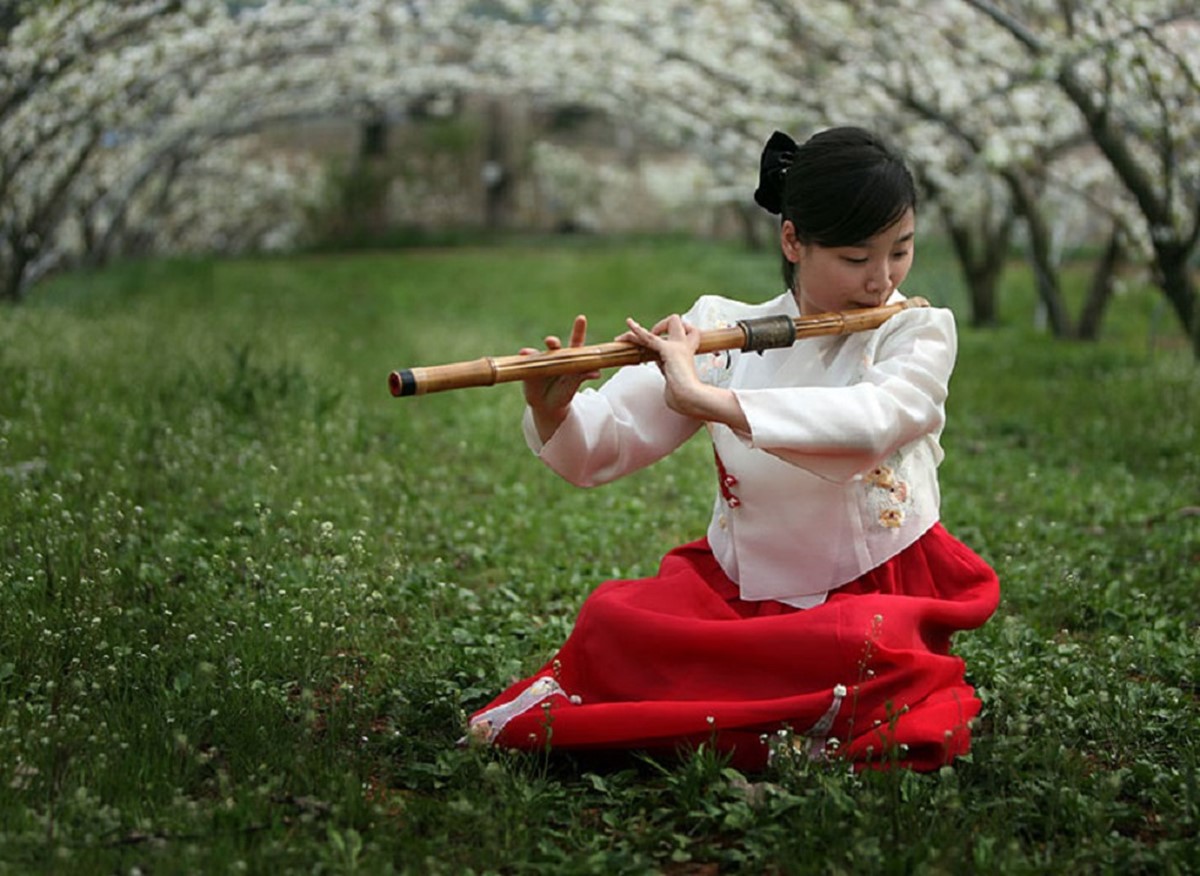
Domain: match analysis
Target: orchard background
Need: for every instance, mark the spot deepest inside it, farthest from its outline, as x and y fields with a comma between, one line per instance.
x=142, y=127
x=246, y=598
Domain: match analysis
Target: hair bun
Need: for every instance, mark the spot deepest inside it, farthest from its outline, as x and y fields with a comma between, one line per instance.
x=777, y=157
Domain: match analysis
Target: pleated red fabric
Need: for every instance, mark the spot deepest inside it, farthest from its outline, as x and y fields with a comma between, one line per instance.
x=670, y=662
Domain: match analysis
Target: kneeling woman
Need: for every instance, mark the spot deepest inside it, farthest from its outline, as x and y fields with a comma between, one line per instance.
x=825, y=594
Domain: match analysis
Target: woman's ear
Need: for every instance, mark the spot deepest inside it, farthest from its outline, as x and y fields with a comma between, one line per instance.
x=789, y=243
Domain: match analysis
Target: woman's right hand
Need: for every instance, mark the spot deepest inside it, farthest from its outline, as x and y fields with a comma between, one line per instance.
x=549, y=398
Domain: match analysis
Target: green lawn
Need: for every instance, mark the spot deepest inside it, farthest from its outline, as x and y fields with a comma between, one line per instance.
x=246, y=597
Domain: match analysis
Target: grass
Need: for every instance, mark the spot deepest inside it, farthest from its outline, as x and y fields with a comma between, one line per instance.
x=247, y=597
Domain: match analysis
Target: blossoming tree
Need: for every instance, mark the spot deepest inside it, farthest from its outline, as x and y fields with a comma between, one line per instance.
x=1132, y=73
x=132, y=121
x=1002, y=120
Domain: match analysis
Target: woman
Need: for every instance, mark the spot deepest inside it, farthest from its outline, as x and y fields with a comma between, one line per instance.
x=824, y=596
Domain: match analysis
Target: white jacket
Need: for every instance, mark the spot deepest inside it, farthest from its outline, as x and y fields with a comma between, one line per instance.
x=839, y=471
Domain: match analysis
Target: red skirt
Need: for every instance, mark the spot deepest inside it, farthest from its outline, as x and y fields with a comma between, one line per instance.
x=678, y=660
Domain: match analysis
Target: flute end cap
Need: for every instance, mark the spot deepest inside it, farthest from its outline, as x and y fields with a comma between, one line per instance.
x=402, y=383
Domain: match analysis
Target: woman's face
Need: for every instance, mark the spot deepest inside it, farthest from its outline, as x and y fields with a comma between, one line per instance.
x=850, y=277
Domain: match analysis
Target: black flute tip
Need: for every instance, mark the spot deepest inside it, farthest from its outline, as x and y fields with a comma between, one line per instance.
x=402, y=383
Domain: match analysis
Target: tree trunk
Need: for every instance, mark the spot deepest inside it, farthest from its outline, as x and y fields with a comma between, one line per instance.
x=1101, y=289
x=1045, y=273
x=983, y=286
x=373, y=137
x=1180, y=289
x=12, y=283
x=497, y=169
x=748, y=219
x=116, y=239
x=981, y=258
x=29, y=241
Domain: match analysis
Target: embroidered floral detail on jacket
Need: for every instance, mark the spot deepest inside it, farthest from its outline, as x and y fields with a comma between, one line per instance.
x=887, y=492
x=716, y=368
x=880, y=476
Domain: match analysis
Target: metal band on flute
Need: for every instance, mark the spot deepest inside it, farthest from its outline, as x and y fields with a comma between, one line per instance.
x=768, y=333
x=748, y=334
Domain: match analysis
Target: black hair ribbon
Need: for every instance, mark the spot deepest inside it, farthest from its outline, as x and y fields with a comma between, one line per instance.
x=777, y=157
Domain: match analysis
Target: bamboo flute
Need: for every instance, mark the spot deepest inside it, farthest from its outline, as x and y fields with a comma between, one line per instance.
x=748, y=334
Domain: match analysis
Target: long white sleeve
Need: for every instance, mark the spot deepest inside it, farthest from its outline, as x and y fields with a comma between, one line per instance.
x=613, y=431
x=897, y=395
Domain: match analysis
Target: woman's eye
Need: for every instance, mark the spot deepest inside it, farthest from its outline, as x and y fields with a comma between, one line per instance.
x=855, y=261
x=900, y=255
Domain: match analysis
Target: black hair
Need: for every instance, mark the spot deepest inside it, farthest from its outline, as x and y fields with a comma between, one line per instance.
x=839, y=188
